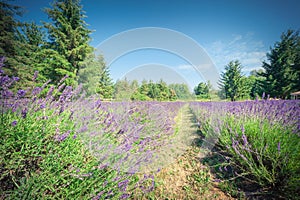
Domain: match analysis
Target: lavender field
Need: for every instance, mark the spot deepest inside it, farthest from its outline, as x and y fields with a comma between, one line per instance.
x=55, y=143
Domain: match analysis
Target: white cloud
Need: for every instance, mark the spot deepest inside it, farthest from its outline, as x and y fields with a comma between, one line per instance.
x=248, y=51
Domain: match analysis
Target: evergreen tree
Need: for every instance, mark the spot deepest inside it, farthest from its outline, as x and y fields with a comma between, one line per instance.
x=231, y=79
x=31, y=42
x=9, y=45
x=68, y=36
x=105, y=87
x=257, y=87
x=202, y=90
x=90, y=73
x=282, y=72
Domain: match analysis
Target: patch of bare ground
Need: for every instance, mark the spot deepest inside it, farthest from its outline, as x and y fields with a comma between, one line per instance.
x=186, y=177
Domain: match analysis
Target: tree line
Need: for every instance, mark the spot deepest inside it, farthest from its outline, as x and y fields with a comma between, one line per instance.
x=278, y=77
x=57, y=49
x=60, y=48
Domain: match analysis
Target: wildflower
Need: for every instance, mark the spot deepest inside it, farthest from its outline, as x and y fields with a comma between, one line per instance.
x=35, y=76
x=278, y=147
x=124, y=196
x=42, y=106
x=24, y=112
x=244, y=137
x=123, y=184
x=217, y=180
x=36, y=91
x=21, y=93
x=14, y=123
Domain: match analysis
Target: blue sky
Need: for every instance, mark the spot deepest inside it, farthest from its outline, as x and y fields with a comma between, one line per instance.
x=226, y=29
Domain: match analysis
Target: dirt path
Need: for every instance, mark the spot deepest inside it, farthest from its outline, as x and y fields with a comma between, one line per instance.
x=186, y=177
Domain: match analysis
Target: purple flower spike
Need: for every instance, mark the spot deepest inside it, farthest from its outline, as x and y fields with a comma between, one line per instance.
x=35, y=75
x=14, y=123
x=21, y=93
x=243, y=129
x=278, y=147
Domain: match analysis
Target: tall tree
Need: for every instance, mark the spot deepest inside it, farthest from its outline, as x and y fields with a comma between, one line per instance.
x=282, y=71
x=68, y=35
x=105, y=86
x=31, y=39
x=231, y=79
x=8, y=42
x=257, y=79
x=202, y=90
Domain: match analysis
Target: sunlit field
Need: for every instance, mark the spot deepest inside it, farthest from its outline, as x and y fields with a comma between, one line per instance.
x=55, y=143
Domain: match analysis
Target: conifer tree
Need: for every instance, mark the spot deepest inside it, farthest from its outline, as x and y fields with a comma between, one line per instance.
x=282, y=72
x=68, y=36
x=231, y=79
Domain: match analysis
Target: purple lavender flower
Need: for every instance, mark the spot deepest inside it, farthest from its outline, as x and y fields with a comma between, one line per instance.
x=43, y=105
x=125, y=196
x=24, y=112
x=14, y=123
x=36, y=91
x=278, y=147
x=123, y=185
x=15, y=78
x=35, y=76
x=62, y=137
x=21, y=93
x=244, y=137
x=217, y=180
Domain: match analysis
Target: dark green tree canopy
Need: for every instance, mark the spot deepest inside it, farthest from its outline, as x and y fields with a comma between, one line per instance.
x=231, y=80
x=281, y=72
x=68, y=34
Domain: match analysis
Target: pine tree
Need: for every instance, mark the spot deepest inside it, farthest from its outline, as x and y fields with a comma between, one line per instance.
x=68, y=36
x=105, y=86
x=231, y=79
x=282, y=72
x=8, y=42
x=31, y=39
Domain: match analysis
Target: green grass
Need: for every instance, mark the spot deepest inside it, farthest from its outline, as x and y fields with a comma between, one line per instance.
x=35, y=165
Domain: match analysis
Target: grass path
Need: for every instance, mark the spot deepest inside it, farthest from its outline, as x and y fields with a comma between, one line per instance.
x=186, y=177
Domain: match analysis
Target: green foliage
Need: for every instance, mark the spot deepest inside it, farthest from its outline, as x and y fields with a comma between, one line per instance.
x=9, y=44
x=181, y=90
x=105, y=88
x=156, y=91
x=123, y=90
x=32, y=41
x=231, y=80
x=68, y=35
x=90, y=73
x=202, y=90
x=257, y=87
x=8, y=28
x=282, y=71
x=35, y=165
x=257, y=146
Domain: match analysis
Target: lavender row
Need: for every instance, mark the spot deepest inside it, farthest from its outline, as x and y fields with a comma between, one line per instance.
x=259, y=139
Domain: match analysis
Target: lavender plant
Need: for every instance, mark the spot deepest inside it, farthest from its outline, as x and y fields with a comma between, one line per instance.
x=59, y=144
x=260, y=140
